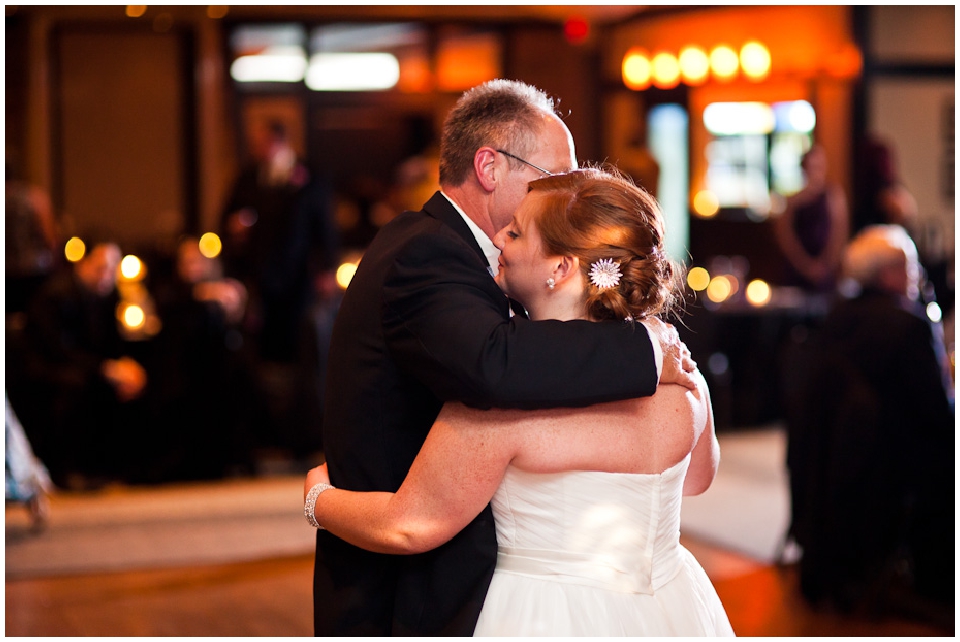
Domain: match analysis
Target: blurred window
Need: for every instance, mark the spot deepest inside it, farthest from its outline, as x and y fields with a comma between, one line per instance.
x=404, y=56
x=367, y=57
x=268, y=54
x=756, y=148
x=668, y=129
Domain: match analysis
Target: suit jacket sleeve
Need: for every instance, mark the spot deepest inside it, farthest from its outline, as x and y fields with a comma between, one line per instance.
x=922, y=360
x=445, y=320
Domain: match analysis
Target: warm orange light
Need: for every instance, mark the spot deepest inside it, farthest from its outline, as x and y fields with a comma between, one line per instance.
x=131, y=268
x=134, y=317
x=345, y=274
x=694, y=65
x=724, y=63
x=666, y=70
x=465, y=62
x=755, y=61
x=210, y=245
x=720, y=288
x=758, y=292
x=136, y=10
x=698, y=278
x=845, y=63
x=706, y=204
x=217, y=11
x=415, y=74
x=636, y=69
x=74, y=249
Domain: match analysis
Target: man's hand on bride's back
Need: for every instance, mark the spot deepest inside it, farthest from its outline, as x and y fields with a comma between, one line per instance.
x=678, y=364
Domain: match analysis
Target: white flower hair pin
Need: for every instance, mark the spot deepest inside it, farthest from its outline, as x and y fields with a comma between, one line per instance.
x=605, y=273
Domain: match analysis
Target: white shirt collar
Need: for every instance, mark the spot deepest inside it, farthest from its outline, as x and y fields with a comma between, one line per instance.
x=489, y=249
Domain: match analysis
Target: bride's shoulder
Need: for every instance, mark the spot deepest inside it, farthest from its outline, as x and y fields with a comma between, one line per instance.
x=671, y=404
x=665, y=397
x=688, y=406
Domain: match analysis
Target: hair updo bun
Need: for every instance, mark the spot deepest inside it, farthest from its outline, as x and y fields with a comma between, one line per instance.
x=599, y=214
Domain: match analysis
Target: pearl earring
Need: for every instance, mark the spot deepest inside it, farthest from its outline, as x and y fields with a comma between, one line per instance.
x=551, y=283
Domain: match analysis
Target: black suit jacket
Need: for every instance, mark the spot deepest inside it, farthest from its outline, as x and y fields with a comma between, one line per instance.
x=421, y=323
x=872, y=456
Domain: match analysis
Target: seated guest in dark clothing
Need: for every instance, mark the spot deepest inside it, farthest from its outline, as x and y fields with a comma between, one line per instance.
x=872, y=460
x=201, y=394
x=78, y=372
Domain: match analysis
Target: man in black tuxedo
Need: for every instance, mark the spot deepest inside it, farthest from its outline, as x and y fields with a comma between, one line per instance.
x=423, y=322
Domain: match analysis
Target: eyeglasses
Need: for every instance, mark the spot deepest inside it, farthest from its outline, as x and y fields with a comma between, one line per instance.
x=539, y=169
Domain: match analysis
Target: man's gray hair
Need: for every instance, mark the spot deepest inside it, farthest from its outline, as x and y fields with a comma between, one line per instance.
x=504, y=114
x=875, y=249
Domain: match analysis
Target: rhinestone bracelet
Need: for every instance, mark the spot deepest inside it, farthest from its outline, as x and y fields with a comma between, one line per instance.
x=310, y=503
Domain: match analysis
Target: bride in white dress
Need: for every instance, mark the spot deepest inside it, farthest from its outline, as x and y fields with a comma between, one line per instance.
x=586, y=501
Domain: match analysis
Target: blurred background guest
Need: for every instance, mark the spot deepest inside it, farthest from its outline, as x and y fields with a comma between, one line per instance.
x=638, y=160
x=202, y=402
x=872, y=458
x=81, y=388
x=883, y=198
x=814, y=228
x=31, y=241
x=281, y=242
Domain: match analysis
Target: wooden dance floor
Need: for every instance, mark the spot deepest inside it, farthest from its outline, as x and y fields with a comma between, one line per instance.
x=234, y=558
x=273, y=598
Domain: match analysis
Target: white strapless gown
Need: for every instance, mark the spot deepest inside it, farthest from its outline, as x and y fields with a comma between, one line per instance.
x=596, y=554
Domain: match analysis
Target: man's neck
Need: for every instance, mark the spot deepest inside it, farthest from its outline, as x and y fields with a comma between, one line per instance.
x=473, y=207
x=483, y=239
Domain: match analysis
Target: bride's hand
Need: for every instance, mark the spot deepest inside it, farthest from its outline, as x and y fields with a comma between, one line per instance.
x=315, y=476
x=678, y=364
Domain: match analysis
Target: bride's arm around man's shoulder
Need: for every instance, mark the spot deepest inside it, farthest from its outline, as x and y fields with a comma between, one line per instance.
x=705, y=456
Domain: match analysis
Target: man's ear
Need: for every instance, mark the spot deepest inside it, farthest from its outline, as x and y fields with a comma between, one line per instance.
x=568, y=266
x=484, y=166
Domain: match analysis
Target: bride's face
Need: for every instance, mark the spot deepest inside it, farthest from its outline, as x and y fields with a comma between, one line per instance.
x=524, y=269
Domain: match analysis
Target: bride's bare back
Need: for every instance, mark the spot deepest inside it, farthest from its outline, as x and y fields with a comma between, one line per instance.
x=645, y=435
